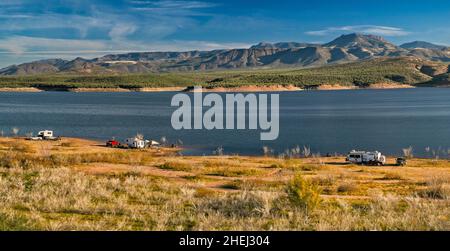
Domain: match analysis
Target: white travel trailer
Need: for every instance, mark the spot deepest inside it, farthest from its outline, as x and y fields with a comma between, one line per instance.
x=366, y=158
x=135, y=143
x=152, y=143
x=44, y=135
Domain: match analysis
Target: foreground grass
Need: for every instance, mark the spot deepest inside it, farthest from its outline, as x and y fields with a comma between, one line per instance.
x=96, y=188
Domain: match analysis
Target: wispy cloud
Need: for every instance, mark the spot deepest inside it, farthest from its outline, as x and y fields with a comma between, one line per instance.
x=20, y=45
x=175, y=4
x=368, y=29
x=122, y=30
x=31, y=29
x=148, y=19
x=33, y=48
x=171, y=8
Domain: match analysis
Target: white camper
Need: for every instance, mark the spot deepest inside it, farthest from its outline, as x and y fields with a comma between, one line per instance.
x=366, y=158
x=152, y=143
x=135, y=143
x=44, y=135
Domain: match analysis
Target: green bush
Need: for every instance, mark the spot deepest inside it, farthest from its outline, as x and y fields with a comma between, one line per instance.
x=303, y=193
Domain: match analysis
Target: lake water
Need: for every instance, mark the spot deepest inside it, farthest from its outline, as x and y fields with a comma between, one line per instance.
x=327, y=121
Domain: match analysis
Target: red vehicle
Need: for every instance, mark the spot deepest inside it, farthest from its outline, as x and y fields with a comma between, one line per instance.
x=113, y=143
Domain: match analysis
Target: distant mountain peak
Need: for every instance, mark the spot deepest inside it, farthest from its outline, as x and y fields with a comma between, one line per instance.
x=263, y=45
x=354, y=39
x=281, y=45
x=423, y=45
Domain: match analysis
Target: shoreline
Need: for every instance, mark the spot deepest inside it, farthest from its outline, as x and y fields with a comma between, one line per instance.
x=248, y=88
x=89, y=142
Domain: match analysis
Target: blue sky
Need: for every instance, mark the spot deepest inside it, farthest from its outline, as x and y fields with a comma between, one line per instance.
x=36, y=29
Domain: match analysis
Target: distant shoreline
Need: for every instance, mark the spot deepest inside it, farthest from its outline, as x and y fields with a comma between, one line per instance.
x=247, y=88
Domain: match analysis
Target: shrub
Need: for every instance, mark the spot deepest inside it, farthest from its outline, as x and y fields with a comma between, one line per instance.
x=347, y=188
x=67, y=144
x=203, y=192
x=327, y=180
x=391, y=176
x=235, y=185
x=408, y=152
x=310, y=167
x=232, y=171
x=241, y=205
x=436, y=192
x=438, y=188
x=175, y=166
x=303, y=193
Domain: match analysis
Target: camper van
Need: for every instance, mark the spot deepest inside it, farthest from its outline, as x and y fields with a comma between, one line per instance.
x=152, y=143
x=366, y=158
x=44, y=135
x=135, y=143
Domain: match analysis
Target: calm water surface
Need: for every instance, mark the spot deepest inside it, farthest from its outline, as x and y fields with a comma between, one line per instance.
x=327, y=121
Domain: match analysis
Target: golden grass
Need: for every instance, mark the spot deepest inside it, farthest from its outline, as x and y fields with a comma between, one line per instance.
x=80, y=185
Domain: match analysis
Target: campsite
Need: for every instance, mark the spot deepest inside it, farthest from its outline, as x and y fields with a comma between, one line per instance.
x=78, y=184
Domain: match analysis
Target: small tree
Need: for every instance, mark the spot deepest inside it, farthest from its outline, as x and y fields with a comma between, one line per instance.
x=408, y=152
x=163, y=140
x=306, y=151
x=218, y=151
x=267, y=151
x=15, y=131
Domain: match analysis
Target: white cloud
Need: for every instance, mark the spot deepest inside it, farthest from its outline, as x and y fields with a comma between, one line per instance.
x=7, y=16
x=96, y=28
x=20, y=45
x=30, y=45
x=24, y=22
x=19, y=49
x=368, y=29
x=122, y=30
x=151, y=20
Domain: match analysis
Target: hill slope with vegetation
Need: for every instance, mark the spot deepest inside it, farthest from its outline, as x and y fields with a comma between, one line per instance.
x=362, y=74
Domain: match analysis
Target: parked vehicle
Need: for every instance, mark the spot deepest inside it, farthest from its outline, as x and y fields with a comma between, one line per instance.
x=366, y=158
x=401, y=161
x=112, y=143
x=152, y=143
x=135, y=143
x=44, y=135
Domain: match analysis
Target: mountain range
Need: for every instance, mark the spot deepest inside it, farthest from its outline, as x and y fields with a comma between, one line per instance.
x=344, y=49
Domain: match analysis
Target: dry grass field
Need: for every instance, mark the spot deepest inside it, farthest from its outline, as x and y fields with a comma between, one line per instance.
x=77, y=184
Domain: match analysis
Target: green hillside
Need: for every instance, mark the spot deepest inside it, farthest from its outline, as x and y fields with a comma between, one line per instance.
x=364, y=73
x=439, y=81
